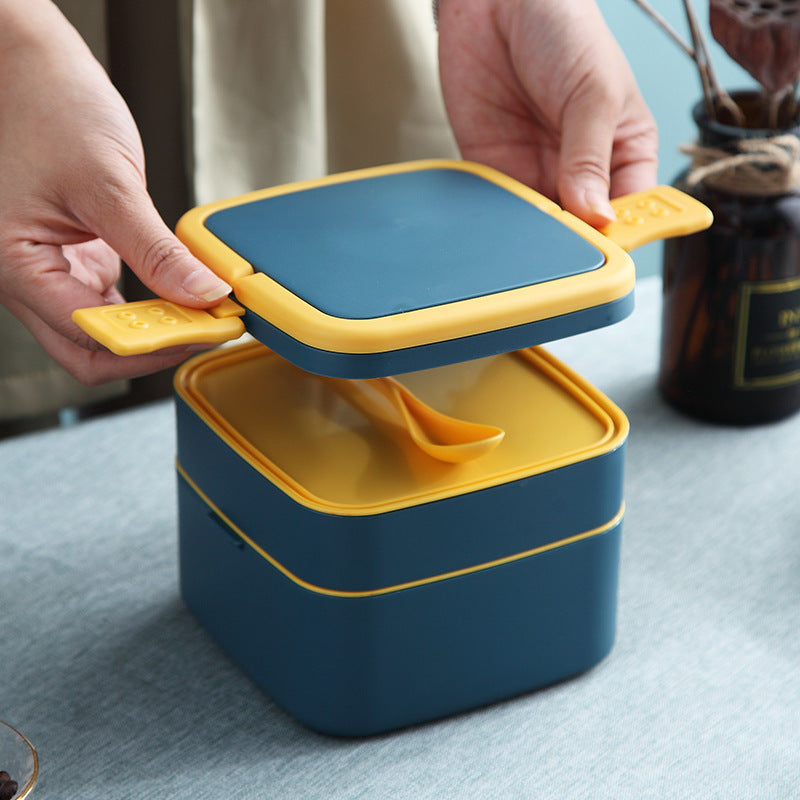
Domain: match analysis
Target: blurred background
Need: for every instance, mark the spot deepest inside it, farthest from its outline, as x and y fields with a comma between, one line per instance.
x=669, y=82
x=153, y=49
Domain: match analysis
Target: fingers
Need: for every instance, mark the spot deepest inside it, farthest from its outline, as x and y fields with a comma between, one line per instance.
x=126, y=219
x=584, y=175
x=37, y=277
x=641, y=171
x=73, y=198
x=93, y=366
x=551, y=100
x=604, y=154
x=41, y=289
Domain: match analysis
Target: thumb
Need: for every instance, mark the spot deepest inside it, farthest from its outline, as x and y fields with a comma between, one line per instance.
x=134, y=229
x=585, y=161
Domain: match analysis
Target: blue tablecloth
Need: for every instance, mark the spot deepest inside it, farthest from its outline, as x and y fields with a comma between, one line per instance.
x=125, y=696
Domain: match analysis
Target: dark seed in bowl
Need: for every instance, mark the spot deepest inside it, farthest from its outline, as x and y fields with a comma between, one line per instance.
x=8, y=788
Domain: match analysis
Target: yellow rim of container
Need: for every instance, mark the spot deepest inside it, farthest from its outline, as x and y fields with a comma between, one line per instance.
x=312, y=327
x=610, y=416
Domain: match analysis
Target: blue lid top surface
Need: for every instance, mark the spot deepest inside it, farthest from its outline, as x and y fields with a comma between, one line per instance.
x=398, y=242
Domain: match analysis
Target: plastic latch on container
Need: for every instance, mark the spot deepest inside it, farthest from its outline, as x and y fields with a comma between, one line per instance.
x=655, y=214
x=148, y=325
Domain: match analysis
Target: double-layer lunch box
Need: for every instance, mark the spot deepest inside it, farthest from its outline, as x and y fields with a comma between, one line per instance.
x=379, y=551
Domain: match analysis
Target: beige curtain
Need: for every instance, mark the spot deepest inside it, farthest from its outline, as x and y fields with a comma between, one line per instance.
x=286, y=90
x=273, y=91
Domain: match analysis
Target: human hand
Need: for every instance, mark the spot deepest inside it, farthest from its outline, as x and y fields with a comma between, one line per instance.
x=73, y=197
x=540, y=90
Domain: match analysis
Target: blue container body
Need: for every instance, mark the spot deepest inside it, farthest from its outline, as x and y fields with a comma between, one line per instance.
x=362, y=624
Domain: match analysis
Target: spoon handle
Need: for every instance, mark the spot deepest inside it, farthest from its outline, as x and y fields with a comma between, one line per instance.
x=441, y=436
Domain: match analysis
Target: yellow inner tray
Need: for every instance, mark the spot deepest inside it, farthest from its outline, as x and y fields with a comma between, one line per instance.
x=305, y=436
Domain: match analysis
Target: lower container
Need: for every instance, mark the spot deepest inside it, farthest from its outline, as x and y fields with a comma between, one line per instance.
x=366, y=586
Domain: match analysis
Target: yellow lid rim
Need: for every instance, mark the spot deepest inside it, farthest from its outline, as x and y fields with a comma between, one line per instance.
x=383, y=590
x=614, y=423
x=314, y=328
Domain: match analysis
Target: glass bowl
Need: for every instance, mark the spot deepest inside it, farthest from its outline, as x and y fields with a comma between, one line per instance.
x=18, y=758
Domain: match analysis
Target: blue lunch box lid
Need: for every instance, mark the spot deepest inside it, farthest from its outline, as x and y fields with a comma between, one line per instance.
x=368, y=252
x=400, y=268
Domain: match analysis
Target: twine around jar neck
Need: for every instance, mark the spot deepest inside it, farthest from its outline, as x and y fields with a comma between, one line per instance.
x=757, y=167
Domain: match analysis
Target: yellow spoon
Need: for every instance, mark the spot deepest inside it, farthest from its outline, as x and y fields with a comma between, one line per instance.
x=439, y=435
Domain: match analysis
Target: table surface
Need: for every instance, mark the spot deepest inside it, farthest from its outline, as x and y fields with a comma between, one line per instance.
x=125, y=696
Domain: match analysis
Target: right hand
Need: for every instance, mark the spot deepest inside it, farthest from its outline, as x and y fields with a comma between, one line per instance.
x=540, y=90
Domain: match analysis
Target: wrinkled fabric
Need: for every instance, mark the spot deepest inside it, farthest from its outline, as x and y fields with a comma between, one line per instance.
x=290, y=91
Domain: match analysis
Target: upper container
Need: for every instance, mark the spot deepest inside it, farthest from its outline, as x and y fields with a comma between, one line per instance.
x=400, y=268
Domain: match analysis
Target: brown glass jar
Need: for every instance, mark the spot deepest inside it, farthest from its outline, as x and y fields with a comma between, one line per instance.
x=730, y=334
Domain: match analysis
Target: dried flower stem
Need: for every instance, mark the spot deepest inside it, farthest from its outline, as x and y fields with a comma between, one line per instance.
x=700, y=56
x=712, y=91
x=665, y=26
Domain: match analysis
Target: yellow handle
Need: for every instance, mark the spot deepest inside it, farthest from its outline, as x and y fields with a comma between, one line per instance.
x=148, y=325
x=658, y=213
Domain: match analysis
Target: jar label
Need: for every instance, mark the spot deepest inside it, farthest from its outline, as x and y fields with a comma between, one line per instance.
x=768, y=334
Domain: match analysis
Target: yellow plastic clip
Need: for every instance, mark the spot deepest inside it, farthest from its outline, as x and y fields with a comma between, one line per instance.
x=148, y=325
x=658, y=213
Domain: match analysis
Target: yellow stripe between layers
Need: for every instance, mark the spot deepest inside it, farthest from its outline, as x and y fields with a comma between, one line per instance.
x=400, y=586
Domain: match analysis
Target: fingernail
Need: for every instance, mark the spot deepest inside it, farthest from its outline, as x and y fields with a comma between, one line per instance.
x=206, y=285
x=599, y=205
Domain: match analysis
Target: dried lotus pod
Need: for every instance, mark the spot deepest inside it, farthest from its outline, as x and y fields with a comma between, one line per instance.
x=763, y=36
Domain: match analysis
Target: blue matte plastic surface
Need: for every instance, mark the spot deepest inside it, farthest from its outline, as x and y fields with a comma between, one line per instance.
x=358, y=666
x=399, y=242
x=447, y=351
x=358, y=553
